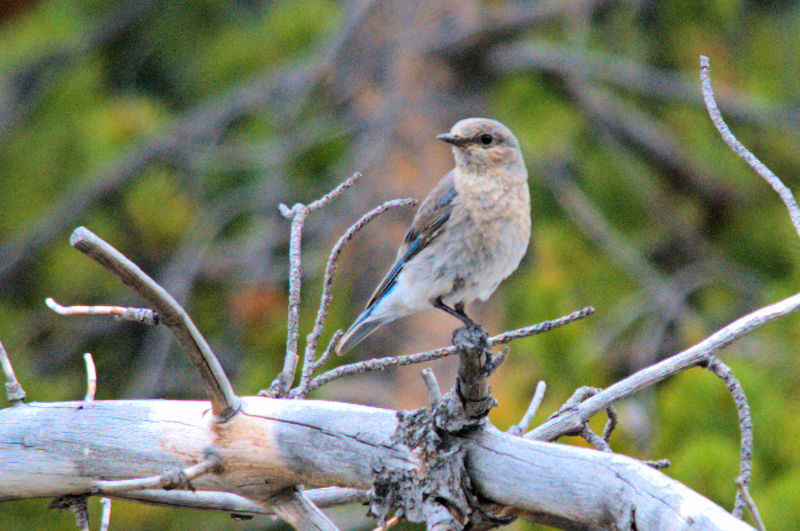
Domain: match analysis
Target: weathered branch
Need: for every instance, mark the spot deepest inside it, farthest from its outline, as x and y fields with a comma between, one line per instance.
x=169, y=480
x=296, y=508
x=224, y=401
x=275, y=444
x=571, y=421
x=234, y=503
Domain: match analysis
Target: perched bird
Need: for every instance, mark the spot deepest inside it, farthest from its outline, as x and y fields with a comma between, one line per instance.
x=468, y=235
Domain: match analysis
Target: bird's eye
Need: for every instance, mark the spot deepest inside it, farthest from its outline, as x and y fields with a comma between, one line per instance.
x=486, y=139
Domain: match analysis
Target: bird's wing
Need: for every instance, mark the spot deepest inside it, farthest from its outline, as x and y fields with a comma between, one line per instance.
x=432, y=214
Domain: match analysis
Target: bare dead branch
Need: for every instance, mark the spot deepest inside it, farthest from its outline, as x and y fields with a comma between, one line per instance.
x=724, y=372
x=297, y=509
x=380, y=364
x=234, y=503
x=434, y=393
x=328, y=350
x=178, y=478
x=571, y=421
x=538, y=328
x=14, y=391
x=751, y=504
x=611, y=424
x=760, y=168
x=595, y=440
x=224, y=401
x=297, y=214
x=309, y=363
x=527, y=418
x=91, y=377
x=122, y=313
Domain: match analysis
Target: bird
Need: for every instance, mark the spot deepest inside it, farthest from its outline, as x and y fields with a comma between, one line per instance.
x=466, y=237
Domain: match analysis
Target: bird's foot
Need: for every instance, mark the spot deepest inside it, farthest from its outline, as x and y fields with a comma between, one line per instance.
x=471, y=337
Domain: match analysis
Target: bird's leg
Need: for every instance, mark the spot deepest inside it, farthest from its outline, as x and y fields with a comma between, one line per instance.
x=457, y=312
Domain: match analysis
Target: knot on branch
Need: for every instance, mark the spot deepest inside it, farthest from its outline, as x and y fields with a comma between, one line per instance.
x=440, y=492
x=440, y=485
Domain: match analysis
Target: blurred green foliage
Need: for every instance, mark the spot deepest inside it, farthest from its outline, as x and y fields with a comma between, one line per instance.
x=76, y=101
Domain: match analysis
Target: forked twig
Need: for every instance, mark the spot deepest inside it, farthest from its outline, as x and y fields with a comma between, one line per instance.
x=297, y=214
x=171, y=479
x=309, y=363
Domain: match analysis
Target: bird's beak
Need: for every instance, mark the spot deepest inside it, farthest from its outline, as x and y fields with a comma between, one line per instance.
x=452, y=139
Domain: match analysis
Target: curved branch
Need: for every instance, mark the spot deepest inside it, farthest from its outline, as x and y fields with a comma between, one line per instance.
x=224, y=401
x=572, y=420
x=716, y=117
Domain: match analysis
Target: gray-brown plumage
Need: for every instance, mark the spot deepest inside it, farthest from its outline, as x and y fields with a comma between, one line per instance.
x=468, y=235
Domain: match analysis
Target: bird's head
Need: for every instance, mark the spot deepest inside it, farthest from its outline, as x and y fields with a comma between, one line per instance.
x=482, y=142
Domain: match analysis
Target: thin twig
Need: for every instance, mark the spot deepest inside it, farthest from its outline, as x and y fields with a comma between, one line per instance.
x=329, y=350
x=538, y=328
x=751, y=504
x=336, y=192
x=380, y=364
x=434, y=393
x=327, y=283
x=224, y=402
x=91, y=377
x=233, y=503
x=716, y=366
x=283, y=383
x=611, y=424
x=595, y=440
x=571, y=422
x=527, y=418
x=169, y=480
x=121, y=313
x=106, y=518
x=716, y=117
x=14, y=391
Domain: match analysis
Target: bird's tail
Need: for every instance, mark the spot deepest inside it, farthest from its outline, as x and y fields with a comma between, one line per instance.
x=361, y=328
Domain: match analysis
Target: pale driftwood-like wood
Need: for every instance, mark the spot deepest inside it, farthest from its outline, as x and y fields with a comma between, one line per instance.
x=62, y=448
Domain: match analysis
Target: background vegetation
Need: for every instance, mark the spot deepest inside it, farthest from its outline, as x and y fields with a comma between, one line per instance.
x=173, y=129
